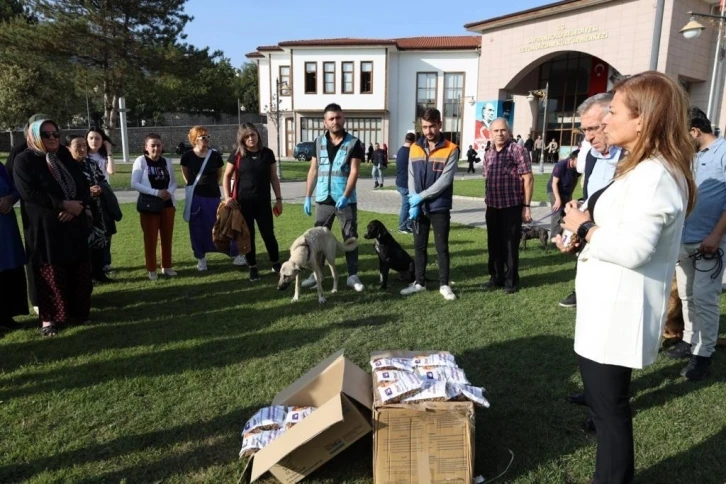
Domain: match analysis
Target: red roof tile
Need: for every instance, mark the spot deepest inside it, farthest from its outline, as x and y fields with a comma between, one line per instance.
x=410, y=43
x=254, y=55
x=334, y=42
x=269, y=47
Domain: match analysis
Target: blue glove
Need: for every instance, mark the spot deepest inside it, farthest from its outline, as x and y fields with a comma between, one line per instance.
x=342, y=203
x=308, y=206
x=414, y=212
x=415, y=200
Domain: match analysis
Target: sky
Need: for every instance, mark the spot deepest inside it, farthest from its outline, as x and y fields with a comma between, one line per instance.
x=237, y=27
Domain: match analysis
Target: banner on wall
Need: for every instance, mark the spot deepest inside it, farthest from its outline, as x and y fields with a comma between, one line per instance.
x=485, y=113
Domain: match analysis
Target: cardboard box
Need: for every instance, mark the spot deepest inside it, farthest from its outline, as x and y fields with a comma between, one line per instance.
x=338, y=389
x=422, y=443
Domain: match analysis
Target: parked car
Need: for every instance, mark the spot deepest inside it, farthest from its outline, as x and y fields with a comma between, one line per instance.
x=304, y=151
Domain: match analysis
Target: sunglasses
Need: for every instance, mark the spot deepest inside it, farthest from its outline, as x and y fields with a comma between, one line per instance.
x=206, y=136
x=50, y=134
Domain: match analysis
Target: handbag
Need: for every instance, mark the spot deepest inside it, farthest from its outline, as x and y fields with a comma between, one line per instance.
x=189, y=190
x=149, y=204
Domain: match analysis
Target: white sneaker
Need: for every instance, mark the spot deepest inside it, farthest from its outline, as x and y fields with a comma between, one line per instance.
x=36, y=310
x=354, y=282
x=412, y=288
x=168, y=272
x=447, y=293
x=202, y=264
x=309, y=282
x=240, y=260
x=153, y=276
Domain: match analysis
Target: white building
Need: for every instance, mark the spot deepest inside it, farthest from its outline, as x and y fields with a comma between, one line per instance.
x=383, y=85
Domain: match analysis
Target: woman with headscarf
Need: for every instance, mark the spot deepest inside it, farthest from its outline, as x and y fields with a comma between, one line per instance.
x=12, y=258
x=99, y=151
x=55, y=196
x=97, y=239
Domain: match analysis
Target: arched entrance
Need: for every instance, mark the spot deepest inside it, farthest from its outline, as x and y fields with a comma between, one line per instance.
x=568, y=78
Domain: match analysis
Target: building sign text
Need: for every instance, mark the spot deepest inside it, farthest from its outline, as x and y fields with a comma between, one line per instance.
x=564, y=37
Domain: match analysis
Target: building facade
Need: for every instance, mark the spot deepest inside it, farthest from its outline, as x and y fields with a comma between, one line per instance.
x=383, y=86
x=559, y=54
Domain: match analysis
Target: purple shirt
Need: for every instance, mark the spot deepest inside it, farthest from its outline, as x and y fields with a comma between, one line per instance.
x=503, y=171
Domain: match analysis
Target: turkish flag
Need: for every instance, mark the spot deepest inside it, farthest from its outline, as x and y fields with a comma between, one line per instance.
x=598, y=77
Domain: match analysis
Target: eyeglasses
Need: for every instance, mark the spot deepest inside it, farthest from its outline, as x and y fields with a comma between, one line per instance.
x=50, y=134
x=205, y=137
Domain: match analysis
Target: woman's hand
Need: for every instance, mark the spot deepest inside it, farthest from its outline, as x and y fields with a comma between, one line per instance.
x=96, y=191
x=65, y=217
x=6, y=204
x=574, y=217
x=559, y=242
x=74, y=207
x=277, y=210
x=231, y=203
x=164, y=194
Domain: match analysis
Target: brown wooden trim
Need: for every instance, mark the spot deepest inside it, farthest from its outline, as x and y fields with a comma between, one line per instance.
x=415, y=93
x=305, y=78
x=360, y=87
x=334, y=77
x=529, y=15
x=342, y=77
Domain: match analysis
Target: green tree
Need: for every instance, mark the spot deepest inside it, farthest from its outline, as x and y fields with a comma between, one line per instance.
x=249, y=91
x=113, y=40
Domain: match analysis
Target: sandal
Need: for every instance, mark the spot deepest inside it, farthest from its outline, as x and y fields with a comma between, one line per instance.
x=49, y=331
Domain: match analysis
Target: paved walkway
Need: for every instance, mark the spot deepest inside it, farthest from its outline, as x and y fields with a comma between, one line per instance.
x=466, y=211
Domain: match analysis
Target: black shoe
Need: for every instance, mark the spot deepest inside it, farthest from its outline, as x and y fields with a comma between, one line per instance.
x=254, y=274
x=376, y=186
x=491, y=286
x=589, y=426
x=511, y=290
x=276, y=267
x=576, y=399
x=699, y=367
x=679, y=350
x=570, y=301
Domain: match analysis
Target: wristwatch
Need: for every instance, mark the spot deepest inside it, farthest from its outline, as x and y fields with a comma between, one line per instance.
x=584, y=229
x=526, y=205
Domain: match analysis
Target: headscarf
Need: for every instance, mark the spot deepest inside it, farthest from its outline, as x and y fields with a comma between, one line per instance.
x=56, y=167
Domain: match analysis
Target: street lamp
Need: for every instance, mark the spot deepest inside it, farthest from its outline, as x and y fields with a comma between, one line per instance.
x=278, y=89
x=541, y=94
x=240, y=109
x=692, y=30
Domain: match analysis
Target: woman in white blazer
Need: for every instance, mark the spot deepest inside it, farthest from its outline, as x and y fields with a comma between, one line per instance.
x=632, y=228
x=152, y=175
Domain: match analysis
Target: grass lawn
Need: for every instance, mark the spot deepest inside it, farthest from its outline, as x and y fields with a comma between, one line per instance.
x=475, y=187
x=158, y=386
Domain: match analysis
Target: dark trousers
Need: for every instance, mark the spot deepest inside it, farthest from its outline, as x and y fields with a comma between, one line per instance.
x=504, y=231
x=607, y=396
x=471, y=167
x=97, y=262
x=441, y=222
x=348, y=218
x=260, y=212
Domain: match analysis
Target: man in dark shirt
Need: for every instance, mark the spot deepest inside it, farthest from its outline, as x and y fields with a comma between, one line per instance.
x=471, y=158
x=404, y=222
x=560, y=186
x=379, y=164
x=370, y=153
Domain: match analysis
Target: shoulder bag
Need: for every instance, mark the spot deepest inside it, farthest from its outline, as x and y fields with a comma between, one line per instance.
x=189, y=190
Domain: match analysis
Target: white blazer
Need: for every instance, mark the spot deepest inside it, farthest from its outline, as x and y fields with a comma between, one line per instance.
x=624, y=274
x=140, y=178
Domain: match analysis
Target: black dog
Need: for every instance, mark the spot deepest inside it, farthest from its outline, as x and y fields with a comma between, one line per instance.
x=390, y=254
x=533, y=232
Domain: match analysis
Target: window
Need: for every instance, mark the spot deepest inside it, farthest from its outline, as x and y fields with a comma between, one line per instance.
x=328, y=77
x=311, y=78
x=367, y=130
x=366, y=77
x=426, y=83
x=284, y=80
x=453, y=93
x=347, y=79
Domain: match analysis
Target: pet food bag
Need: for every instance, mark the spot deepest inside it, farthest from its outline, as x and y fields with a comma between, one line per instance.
x=267, y=418
x=254, y=442
x=296, y=414
x=394, y=391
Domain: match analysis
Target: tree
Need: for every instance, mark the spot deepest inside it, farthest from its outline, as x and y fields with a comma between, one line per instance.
x=114, y=40
x=249, y=89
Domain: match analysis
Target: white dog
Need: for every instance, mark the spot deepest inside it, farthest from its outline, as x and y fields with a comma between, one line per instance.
x=311, y=250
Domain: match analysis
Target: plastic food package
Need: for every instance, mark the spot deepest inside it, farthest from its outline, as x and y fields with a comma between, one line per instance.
x=268, y=418
x=402, y=364
x=436, y=359
x=389, y=375
x=395, y=391
x=443, y=373
x=254, y=442
x=296, y=414
x=569, y=239
x=431, y=391
x=467, y=392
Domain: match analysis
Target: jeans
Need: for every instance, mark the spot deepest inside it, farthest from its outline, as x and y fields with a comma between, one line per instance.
x=700, y=294
x=441, y=222
x=348, y=218
x=377, y=174
x=557, y=218
x=404, y=223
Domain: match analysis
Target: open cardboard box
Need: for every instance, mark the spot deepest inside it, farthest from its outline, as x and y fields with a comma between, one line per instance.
x=336, y=387
x=422, y=443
